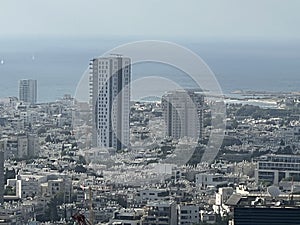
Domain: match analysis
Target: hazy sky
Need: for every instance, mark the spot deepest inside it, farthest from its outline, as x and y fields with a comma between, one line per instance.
x=276, y=19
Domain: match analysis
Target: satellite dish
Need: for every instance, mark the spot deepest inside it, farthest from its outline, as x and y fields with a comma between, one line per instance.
x=273, y=191
x=278, y=203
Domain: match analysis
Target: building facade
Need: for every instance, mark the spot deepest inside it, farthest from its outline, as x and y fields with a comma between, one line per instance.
x=160, y=213
x=188, y=214
x=183, y=114
x=28, y=91
x=274, y=168
x=205, y=180
x=127, y=217
x=264, y=209
x=266, y=215
x=110, y=101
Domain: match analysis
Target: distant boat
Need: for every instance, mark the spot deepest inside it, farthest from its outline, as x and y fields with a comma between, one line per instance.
x=2, y=62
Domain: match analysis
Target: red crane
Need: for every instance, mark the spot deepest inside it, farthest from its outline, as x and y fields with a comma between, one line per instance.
x=80, y=219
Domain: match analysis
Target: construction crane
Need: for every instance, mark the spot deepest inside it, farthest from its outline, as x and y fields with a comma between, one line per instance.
x=91, y=214
x=80, y=219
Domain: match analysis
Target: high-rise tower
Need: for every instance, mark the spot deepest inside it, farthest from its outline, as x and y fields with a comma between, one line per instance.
x=183, y=114
x=2, y=147
x=110, y=100
x=28, y=91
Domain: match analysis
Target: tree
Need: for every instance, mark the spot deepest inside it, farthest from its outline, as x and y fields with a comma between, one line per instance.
x=80, y=169
x=10, y=191
x=51, y=213
x=48, y=138
x=82, y=160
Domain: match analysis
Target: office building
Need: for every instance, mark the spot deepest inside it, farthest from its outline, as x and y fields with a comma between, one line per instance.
x=274, y=168
x=263, y=209
x=28, y=91
x=183, y=114
x=110, y=101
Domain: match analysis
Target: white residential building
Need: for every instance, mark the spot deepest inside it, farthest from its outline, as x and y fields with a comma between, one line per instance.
x=152, y=194
x=183, y=113
x=160, y=213
x=2, y=149
x=221, y=197
x=206, y=179
x=188, y=214
x=110, y=101
x=28, y=91
x=127, y=217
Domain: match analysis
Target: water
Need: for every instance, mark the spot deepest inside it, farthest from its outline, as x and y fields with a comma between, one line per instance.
x=59, y=64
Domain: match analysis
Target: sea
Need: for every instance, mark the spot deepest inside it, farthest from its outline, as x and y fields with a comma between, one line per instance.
x=59, y=63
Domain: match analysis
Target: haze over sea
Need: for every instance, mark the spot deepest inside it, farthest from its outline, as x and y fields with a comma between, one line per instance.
x=58, y=64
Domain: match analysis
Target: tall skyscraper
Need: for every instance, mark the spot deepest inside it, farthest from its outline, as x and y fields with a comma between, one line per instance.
x=28, y=91
x=110, y=99
x=2, y=143
x=183, y=114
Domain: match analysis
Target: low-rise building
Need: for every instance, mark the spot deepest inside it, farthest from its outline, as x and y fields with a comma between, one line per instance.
x=206, y=179
x=274, y=168
x=188, y=214
x=127, y=217
x=160, y=213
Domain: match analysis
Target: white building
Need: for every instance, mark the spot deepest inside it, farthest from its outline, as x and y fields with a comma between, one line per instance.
x=2, y=148
x=127, y=217
x=33, y=145
x=221, y=197
x=208, y=217
x=110, y=98
x=22, y=146
x=188, y=214
x=28, y=91
x=160, y=213
x=27, y=186
x=58, y=186
x=152, y=194
x=183, y=113
x=274, y=168
x=98, y=155
x=206, y=179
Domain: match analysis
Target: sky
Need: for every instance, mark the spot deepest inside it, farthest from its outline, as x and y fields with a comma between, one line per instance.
x=222, y=19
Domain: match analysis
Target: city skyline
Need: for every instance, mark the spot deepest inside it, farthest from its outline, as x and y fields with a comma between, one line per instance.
x=136, y=112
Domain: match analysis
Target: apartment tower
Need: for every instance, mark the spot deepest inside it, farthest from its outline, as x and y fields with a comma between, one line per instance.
x=183, y=114
x=110, y=101
x=2, y=148
x=28, y=91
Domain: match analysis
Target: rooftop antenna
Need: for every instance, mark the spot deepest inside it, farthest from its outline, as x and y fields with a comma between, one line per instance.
x=292, y=190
